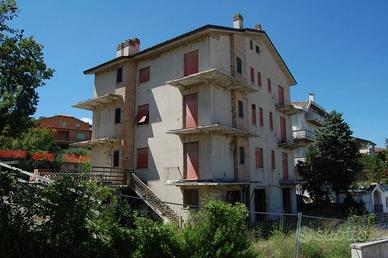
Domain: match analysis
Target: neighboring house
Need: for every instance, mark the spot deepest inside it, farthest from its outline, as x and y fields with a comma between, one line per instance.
x=365, y=146
x=202, y=113
x=375, y=198
x=306, y=118
x=66, y=129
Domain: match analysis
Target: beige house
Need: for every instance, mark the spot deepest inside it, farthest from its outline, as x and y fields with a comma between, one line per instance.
x=203, y=113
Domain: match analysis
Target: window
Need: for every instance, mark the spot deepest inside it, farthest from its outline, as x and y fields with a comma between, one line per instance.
x=80, y=136
x=283, y=135
x=251, y=44
x=144, y=74
x=142, y=158
x=259, y=157
x=286, y=196
x=269, y=85
x=239, y=65
x=191, y=63
x=242, y=155
x=261, y=117
x=63, y=124
x=259, y=79
x=142, y=116
x=233, y=196
x=116, y=158
x=117, y=115
x=281, y=95
x=77, y=126
x=273, y=161
x=253, y=114
x=191, y=198
x=240, y=109
x=257, y=49
x=285, y=165
x=252, y=74
x=271, y=121
x=119, y=75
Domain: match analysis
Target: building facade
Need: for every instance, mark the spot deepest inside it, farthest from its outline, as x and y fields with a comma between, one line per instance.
x=66, y=129
x=204, y=113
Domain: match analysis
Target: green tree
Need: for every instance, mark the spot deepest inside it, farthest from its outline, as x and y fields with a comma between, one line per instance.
x=373, y=168
x=35, y=140
x=332, y=160
x=22, y=71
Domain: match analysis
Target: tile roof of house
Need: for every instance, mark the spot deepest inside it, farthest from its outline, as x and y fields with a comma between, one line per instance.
x=302, y=104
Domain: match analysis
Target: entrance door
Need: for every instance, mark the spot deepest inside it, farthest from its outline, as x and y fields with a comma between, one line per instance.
x=260, y=205
x=190, y=105
x=286, y=200
x=192, y=160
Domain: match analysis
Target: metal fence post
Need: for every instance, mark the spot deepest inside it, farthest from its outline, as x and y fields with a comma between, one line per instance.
x=297, y=235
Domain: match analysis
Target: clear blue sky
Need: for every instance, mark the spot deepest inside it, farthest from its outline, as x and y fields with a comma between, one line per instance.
x=337, y=49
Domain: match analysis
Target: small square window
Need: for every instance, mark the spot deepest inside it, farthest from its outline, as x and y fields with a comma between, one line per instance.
x=242, y=155
x=116, y=158
x=144, y=74
x=240, y=109
x=117, y=115
x=239, y=65
x=119, y=75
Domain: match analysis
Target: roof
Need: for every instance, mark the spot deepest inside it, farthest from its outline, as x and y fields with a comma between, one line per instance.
x=306, y=105
x=301, y=104
x=361, y=140
x=199, y=30
x=72, y=117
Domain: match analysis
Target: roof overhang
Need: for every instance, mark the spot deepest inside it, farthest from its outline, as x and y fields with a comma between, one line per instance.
x=96, y=142
x=91, y=104
x=110, y=63
x=212, y=77
x=212, y=129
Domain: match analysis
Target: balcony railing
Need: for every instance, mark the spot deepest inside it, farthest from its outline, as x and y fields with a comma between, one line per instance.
x=303, y=134
x=315, y=118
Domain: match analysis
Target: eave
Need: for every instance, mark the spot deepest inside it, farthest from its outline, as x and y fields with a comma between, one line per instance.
x=212, y=129
x=91, y=104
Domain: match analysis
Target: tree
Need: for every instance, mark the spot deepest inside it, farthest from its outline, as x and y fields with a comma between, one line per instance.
x=373, y=168
x=332, y=160
x=22, y=71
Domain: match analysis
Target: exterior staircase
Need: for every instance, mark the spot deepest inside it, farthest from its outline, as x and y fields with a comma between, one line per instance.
x=157, y=205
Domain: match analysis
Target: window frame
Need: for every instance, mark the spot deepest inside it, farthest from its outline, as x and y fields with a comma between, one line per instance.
x=269, y=85
x=254, y=120
x=252, y=74
x=187, y=64
x=261, y=117
x=259, y=157
x=240, y=109
x=119, y=75
x=241, y=155
x=138, y=114
x=238, y=65
x=116, y=158
x=117, y=115
x=147, y=77
x=259, y=79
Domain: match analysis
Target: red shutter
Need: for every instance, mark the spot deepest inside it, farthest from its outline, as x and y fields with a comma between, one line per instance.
x=142, y=158
x=192, y=160
x=252, y=72
x=191, y=63
x=283, y=136
x=253, y=114
x=269, y=85
x=144, y=74
x=273, y=162
x=281, y=95
x=258, y=79
x=190, y=111
x=285, y=165
x=261, y=117
x=270, y=121
x=142, y=114
x=259, y=157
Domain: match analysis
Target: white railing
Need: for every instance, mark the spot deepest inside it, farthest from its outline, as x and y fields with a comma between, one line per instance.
x=302, y=134
x=312, y=116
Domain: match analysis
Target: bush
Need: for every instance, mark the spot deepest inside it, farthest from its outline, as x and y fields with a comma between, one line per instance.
x=218, y=230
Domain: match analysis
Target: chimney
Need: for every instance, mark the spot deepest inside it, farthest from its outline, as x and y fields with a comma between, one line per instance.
x=311, y=97
x=258, y=26
x=128, y=47
x=237, y=21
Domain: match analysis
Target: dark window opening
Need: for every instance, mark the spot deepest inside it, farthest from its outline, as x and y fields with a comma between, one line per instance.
x=286, y=200
x=142, y=116
x=119, y=75
x=117, y=115
x=240, y=109
x=251, y=44
x=116, y=158
x=191, y=198
x=258, y=49
x=239, y=65
x=233, y=196
x=242, y=155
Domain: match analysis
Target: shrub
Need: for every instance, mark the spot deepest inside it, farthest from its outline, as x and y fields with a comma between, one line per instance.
x=218, y=230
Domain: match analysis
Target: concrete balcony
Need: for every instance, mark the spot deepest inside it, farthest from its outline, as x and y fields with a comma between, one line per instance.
x=315, y=118
x=286, y=109
x=303, y=135
x=212, y=77
x=93, y=103
x=96, y=142
x=288, y=144
x=216, y=129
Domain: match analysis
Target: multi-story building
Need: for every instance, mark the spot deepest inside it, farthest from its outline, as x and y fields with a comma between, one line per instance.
x=306, y=117
x=66, y=129
x=201, y=113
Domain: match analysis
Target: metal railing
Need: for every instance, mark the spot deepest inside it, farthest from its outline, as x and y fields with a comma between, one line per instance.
x=314, y=117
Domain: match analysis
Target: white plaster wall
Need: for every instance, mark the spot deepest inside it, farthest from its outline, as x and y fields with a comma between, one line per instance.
x=104, y=123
